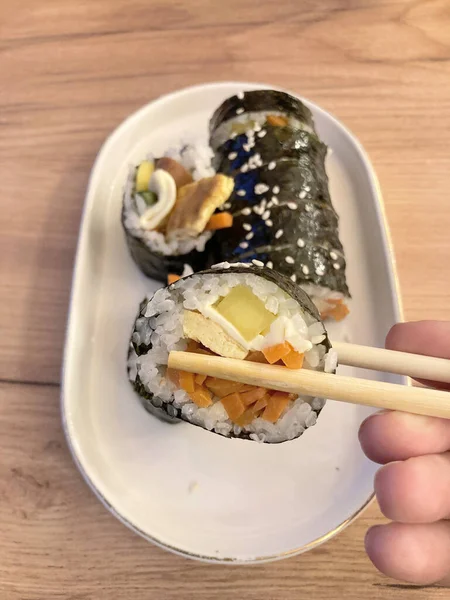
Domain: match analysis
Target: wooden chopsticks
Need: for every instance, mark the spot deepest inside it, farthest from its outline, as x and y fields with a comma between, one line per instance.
x=422, y=401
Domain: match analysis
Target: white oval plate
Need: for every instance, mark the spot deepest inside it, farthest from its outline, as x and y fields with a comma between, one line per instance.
x=180, y=486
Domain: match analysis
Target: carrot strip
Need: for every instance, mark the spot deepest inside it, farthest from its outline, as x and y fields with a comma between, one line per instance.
x=222, y=387
x=277, y=120
x=274, y=353
x=233, y=405
x=201, y=397
x=200, y=379
x=277, y=403
x=187, y=381
x=262, y=403
x=172, y=277
x=220, y=221
x=254, y=395
x=293, y=360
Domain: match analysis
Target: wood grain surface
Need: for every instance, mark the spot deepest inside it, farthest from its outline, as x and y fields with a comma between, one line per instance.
x=69, y=73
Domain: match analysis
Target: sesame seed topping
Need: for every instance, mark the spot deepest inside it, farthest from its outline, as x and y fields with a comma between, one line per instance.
x=308, y=207
x=276, y=189
x=271, y=166
x=240, y=192
x=320, y=270
x=336, y=266
x=246, y=211
x=302, y=195
x=270, y=204
x=258, y=210
x=305, y=270
x=257, y=157
x=257, y=263
x=278, y=234
x=244, y=168
x=266, y=215
x=294, y=277
x=292, y=205
x=269, y=265
x=246, y=147
x=239, y=111
x=243, y=245
x=249, y=236
x=257, y=127
x=261, y=188
x=262, y=133
x=307, y=188
x=300, y=243
x=275, y=200
x=269, y=223
x=232, y=155
x=289, y=260
x=247, y=226
x=333, y=255
x=240, y=95
x=227, y=205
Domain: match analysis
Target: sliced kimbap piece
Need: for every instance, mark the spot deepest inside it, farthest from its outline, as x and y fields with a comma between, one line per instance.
x=168, y=213
x=238, y=311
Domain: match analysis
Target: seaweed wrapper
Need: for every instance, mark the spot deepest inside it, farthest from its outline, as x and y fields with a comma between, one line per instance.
x=167, y=411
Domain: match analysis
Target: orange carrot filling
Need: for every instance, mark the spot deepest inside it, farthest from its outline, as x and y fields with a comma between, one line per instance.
x=274, y=353
x=219, y=221
x=172, y=277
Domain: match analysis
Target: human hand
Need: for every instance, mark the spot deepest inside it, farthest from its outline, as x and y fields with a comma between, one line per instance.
x=413, y=486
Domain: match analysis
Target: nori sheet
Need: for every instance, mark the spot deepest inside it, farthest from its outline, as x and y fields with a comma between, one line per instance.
x=261, y=100
x=170, y=413
x=299, y=234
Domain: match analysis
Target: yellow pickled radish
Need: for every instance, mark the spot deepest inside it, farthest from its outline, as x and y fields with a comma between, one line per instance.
x=245, y=311
x=143, y=174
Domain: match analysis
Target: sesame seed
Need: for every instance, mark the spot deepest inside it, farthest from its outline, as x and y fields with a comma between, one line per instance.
x=333, y=255
x=278, y=234
x=308, y=208
x=258, y=210
x=294, y=277
x=302, y=195
x=257, y=157
x=232, y=155
x=244, y=168
x=270, y=204
x=249, y=236
x=246, y=211
x=336, y=266
x=320, y=270
x=307, y=188
x=271, y=166
x=305, y=270
x=243, y=245
x=292, y=205
x=227, y=205
x=276, y=189
x=257, y=127
x=262, y=133
x=257, y=263
x=263, y=203
x=275, y=200
x=266, y=215
x=240, y=192
x=240, y=95
x=247, y=226
x=300, y=243
x=289, y=260
x=269, y=265
x=261, y=188
x=246, y=147
x=269, y=223
x=239, y=111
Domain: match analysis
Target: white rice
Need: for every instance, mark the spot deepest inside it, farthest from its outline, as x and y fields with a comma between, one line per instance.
x=196, y=158
x=162, y=325
x=321, y=295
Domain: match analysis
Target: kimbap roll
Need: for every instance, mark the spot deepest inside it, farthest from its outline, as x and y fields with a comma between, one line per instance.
x=281, y=206
x=168, y=212
x=239, y=311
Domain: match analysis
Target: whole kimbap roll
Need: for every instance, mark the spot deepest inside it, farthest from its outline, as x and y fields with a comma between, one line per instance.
x=239, y=311
x=168, y=212
x=281, y=206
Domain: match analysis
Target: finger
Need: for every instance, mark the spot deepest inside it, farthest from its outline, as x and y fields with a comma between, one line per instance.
x=431, y=338
x=419, y=554
x=390, y=436
x=415, y=491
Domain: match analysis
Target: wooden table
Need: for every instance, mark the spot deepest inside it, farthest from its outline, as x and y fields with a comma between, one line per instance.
x=69, y=73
